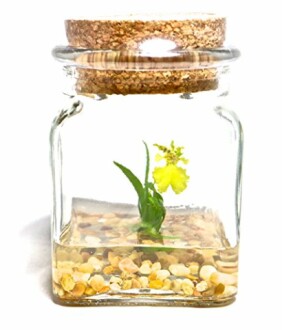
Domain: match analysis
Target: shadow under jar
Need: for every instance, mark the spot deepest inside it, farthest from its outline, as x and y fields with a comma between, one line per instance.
x=146, y=164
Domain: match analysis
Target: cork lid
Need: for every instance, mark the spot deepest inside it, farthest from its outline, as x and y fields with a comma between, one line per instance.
x=131, y=33
x=135, y=55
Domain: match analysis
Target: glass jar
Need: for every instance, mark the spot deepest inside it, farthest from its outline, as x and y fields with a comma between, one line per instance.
x=146, y=164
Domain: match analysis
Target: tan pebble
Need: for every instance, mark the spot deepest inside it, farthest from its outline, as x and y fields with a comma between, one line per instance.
x=113, y=259
x=109, y=270
x=202, y=286
x=85, y=256
x=80, y=277
x=156, y=284
x=226, y=279
x=86, y=268
x=145, y=269
x=187, y=289
x=219, y=289
x=206, y=271
x=188, y=282
x=167, y=284
x=127, y=284
x=156, y=266
x=135, y=284
x=194, y=268
x=89, y=291
x=115, y=279
x=95, y=263
x=127, y=265
x=162, y=274
x=97, y=282
x=115, y=287
x=176, y=285
x=67, y=282
x=78, y=289
x=179, y=270
x=143, y=280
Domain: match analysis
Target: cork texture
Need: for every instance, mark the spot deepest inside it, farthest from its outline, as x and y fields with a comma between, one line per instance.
x=128, y=72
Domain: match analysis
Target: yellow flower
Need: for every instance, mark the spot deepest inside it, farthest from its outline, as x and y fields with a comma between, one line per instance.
x=170, y=175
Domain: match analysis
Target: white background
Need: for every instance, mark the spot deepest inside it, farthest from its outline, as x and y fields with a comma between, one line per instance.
x=29, y=29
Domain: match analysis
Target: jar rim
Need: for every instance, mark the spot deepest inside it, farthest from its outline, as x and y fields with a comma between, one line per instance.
x=157, y=59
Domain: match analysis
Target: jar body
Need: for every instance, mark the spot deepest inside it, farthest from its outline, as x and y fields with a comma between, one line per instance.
x=100, y=256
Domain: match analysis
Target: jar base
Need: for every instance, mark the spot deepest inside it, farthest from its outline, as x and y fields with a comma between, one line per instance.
x=129, y=299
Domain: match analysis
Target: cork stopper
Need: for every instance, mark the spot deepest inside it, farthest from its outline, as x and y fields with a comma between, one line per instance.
x=145, y=55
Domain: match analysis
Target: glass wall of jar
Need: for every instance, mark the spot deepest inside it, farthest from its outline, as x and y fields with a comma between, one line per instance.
x=146, y=164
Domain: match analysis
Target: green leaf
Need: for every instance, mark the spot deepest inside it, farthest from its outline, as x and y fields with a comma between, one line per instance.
x=133, y=179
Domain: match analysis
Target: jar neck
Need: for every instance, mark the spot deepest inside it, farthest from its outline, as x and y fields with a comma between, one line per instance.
x=190, y=84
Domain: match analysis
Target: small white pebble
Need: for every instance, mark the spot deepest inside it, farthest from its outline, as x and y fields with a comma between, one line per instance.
x=162, y=274
x=206, y=271
x=179, y=270
x=156, y=266
x=145, y=269
x=202, y=286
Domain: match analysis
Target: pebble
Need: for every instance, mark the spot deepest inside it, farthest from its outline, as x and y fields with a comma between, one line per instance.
x=206, y=271
x=226, y=279
x=187, y=289
x=113, y=259
x=115, y=279
x=136, y=284
x=156, y=266
x=128, y=266
x=156, y=284
x=143, y=280
x=167, y=284
x=109, y=270
x=229, y=290
x=127, y=284
x=179, y=270
x=80, y=277
x=67, y=282
x=95, y=263
x=162, y=274
x=78, y=289
x=86, y=267
x=219, y=289
x=188, y=282
x=115, y=287
x=89, y=291
x=176, y=285
x=97, y=283
x=194, y=268
x=202, y=286
x=145, y=269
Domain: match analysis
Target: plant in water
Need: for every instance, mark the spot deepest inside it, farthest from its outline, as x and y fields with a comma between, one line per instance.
x=150, y=201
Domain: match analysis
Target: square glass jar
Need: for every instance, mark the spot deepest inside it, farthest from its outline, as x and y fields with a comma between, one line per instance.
x=146, y=163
